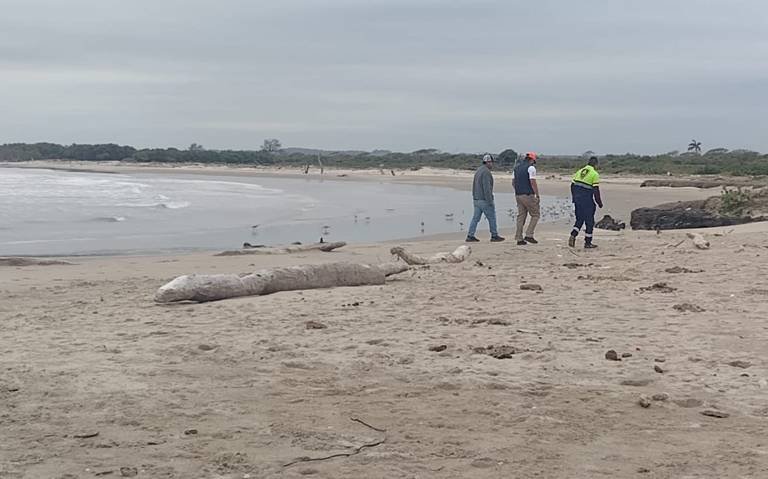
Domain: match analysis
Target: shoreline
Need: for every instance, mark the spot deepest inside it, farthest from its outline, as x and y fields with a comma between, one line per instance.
x=621, y=194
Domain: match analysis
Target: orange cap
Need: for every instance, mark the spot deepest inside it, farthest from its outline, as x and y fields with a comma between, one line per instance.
x=531, y=155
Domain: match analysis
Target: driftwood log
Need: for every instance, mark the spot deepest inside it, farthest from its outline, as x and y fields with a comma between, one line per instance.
x=21, y=261
x=459, y=254
x=698, y=240
x=212, y=287
x=285, y=249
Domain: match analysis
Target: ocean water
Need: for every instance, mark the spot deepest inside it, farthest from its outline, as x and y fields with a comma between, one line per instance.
x=46, y=212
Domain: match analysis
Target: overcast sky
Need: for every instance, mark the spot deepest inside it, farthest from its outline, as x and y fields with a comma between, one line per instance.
x=556, y=76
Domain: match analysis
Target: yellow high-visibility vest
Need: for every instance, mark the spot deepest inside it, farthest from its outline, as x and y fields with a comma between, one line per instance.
x=587, y=177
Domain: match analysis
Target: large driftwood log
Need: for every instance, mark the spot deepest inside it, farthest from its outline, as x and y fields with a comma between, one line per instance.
x=285, y=249
x=459, y=254
x=698, y=240
x=205, y=287
x=21, y=261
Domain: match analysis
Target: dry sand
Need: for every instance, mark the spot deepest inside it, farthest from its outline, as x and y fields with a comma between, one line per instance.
x=239, y=388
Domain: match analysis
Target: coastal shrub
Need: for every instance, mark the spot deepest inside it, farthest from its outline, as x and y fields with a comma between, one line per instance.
x=734, y=202
x=718, y=161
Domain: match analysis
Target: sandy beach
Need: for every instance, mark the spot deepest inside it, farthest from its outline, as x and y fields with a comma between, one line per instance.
x=99, y=381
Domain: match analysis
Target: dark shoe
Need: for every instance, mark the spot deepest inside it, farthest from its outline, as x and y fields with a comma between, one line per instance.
x=472, y=239
x=589, y=246
x=530, y=240
x=497, y=239
x=572, y=241
x=522, y=242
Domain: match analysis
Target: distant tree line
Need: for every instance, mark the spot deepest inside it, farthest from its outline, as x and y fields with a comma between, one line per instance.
x=714, y=161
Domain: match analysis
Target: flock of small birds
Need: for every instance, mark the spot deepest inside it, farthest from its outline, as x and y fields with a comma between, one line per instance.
x=557, y=211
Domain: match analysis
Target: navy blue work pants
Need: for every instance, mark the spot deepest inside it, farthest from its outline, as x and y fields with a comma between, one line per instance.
x=585, y=212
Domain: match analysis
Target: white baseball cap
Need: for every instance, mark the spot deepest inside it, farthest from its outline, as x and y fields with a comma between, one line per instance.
x=487, y=158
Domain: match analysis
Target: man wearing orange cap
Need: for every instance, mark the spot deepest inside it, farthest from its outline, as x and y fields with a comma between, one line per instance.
x=527, y=196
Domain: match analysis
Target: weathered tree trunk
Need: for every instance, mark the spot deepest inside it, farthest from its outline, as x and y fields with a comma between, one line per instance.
x=285, y=249
x=22, y=261
x=205, y=287
x=698, y=240
x=460, y=254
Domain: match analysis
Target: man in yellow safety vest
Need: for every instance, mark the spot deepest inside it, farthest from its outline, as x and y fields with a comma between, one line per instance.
x=585, y=192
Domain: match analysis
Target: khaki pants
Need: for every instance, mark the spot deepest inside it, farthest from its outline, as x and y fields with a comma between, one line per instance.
x=526, y=205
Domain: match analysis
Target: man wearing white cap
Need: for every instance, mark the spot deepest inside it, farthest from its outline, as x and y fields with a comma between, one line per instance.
x=482, y=194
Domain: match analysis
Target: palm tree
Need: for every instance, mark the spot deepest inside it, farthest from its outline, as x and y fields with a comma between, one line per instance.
x=694, y=146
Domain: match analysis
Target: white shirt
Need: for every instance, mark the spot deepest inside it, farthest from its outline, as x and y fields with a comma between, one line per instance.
x=532, y=172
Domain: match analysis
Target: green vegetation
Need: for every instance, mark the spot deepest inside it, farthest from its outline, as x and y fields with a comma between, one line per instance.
x=715, y=161
x=735, y=202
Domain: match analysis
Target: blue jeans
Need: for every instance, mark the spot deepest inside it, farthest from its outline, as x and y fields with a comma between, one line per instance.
x=483, y=207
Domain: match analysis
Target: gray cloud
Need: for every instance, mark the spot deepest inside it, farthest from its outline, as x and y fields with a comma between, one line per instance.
x=555, y=76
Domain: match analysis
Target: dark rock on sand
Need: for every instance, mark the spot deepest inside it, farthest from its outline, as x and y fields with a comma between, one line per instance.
x=658, y=288
x=314, y=325
x=612, y=355
x=715, y=413
x=683, y=214
x=688, y=308
x=740, y=364
x=531, y=287
x=637, y=382
x=608, y=223
x=660, y=397
x=679, y=269
x=498, y=352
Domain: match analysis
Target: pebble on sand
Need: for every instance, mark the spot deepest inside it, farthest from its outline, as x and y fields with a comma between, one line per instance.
x=740, y=364
x=531, y=287
x=644, y=401
x=640, y=382
x=314, y=325
x=715, y=413
x=612, y=355
x=129, y=472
